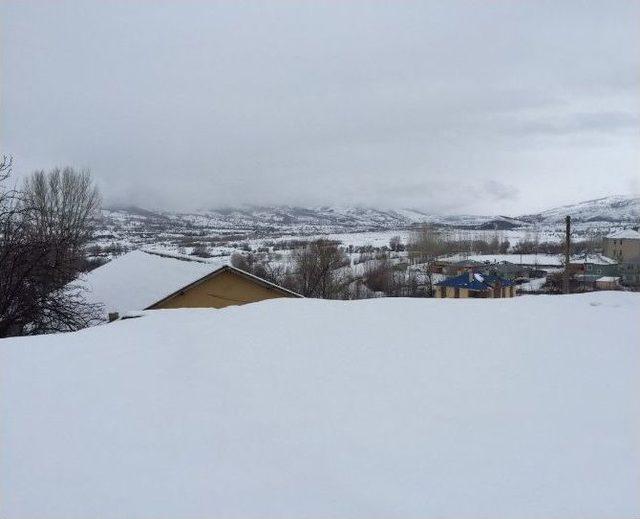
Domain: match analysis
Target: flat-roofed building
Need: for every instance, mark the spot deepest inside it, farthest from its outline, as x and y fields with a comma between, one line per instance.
x=622, y=245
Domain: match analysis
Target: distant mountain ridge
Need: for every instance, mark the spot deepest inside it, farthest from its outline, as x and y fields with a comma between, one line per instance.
x=613, y=209
x=618, y=208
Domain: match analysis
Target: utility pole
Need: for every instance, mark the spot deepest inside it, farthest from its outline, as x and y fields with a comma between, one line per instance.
x=567, y=256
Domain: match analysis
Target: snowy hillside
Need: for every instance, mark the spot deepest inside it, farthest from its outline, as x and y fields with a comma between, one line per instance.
x=301, y=220
x=281, y=220
x=609, y=209
x=525, y=407
x=223, y=231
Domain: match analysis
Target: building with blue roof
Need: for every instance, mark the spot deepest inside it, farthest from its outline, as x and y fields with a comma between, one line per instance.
x=474, y=284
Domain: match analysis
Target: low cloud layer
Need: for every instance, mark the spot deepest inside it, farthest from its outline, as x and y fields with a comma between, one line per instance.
x=501, y=107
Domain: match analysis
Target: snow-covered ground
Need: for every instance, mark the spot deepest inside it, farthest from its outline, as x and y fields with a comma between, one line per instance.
x=382, y=238
x=514, y=408
x=552, y=260
x=222, y=232
x=533, y=285
x=357, y=239
x=555, y=260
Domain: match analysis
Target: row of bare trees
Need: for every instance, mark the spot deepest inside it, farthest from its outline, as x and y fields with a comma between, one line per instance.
x=318, y=269
x=322, y=269
x=45, y=226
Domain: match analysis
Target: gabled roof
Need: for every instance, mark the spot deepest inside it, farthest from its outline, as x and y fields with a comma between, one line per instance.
x=609, y=279
x=234, y=270
x=492, y=279
x=141, y=278
x=593, y=259
x=625, y=234
x=464, y=262
x=506, y=266
x=137, y=279
x=477, y=282
x=517, y=259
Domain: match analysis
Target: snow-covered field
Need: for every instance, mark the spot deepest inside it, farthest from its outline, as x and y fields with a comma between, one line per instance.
x=374, y=239
x=223, y=231
x=382, y=238
x=546, y=260
x=515, y=408
x=532, y=285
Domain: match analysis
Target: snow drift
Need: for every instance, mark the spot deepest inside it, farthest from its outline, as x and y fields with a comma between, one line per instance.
x=517, y=408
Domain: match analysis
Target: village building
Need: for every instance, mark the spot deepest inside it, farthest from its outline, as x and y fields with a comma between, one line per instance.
x=630, y=271
x=454, y=268
x=512, y=271
x=608, y=283
x=622, y=245
x=594, y=266
x=584, y=269
x=474, y=285
x=146, y=280
x=537, y=261
x=225, y=286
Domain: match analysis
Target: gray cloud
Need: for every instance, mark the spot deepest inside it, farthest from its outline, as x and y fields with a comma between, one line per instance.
x=605, y=122
x=500, y=191
x=412, y=103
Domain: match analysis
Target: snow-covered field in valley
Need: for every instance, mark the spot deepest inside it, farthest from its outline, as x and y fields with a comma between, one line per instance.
x=517, y=408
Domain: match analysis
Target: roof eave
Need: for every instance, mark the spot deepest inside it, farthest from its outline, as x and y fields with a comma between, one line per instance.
x=217, y=272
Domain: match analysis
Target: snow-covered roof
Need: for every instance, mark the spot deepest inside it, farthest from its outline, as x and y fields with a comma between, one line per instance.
x=608, y=279
x=625, y=234
x=139, y=278
x=556, y=260
x=518, y=259
x=476, y=282
x=593, y=259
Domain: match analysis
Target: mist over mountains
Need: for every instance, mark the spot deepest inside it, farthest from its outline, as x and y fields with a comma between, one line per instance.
x=609, y=210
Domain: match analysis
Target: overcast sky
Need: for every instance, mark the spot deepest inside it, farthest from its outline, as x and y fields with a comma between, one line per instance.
x=450, y=106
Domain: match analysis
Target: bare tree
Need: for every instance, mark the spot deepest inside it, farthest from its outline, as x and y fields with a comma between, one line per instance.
x=8, y=195
x=201, y=251
x=424, y=248
x=259, y=265
x=378, y=276
x=395, y=244
x=318, y=270
x=45, y=228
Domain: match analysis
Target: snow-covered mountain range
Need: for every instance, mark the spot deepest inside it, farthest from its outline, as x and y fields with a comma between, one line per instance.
x=289, y=219
x=609, y=209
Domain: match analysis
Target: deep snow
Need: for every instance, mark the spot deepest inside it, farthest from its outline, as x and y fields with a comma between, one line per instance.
x=516, y=408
